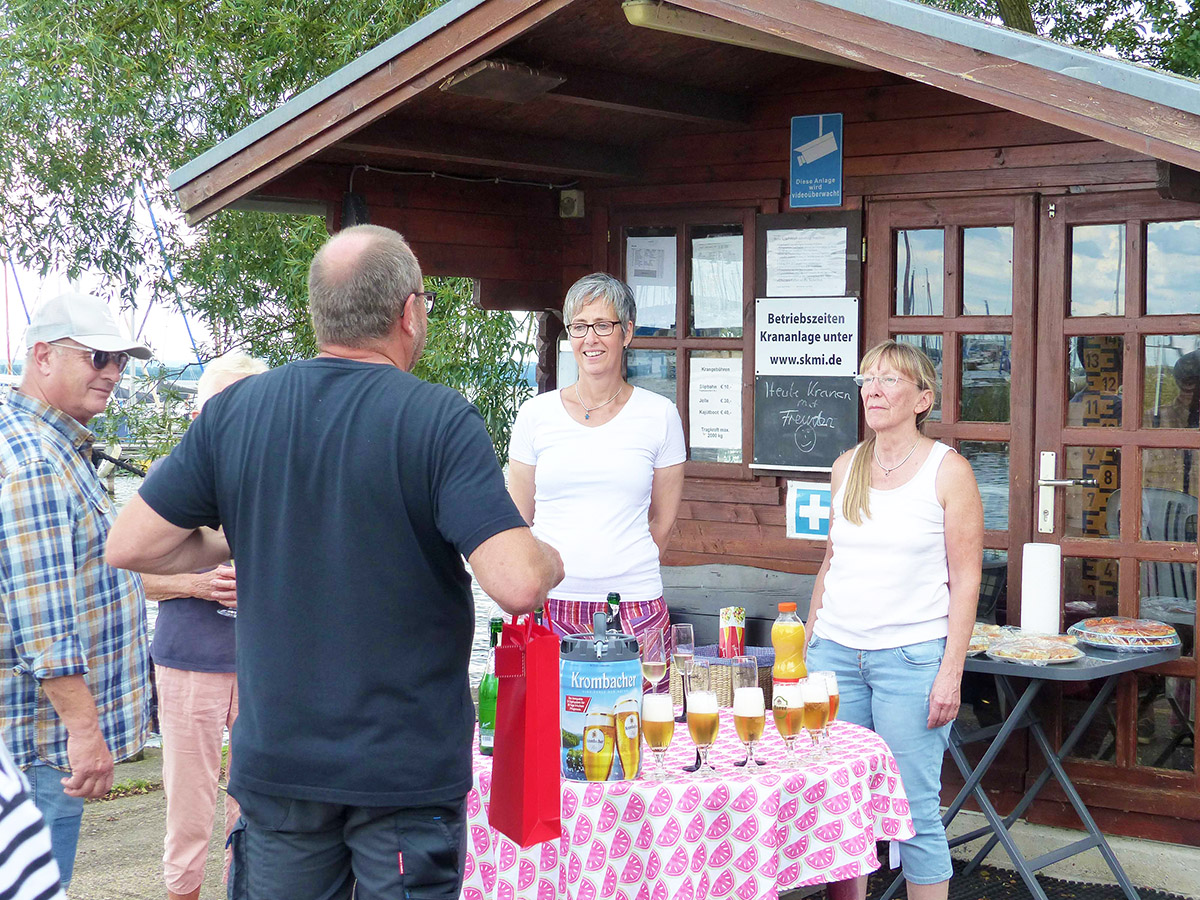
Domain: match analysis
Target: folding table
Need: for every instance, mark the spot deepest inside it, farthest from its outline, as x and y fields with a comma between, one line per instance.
x=1097, y=664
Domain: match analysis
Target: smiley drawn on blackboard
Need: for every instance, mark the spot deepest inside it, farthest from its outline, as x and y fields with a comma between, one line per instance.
x=806, y=438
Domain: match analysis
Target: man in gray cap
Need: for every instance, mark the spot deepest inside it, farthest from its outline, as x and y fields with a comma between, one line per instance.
x=74, y=694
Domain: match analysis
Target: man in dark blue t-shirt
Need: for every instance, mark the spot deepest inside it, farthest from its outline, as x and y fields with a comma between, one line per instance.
x=349, y=492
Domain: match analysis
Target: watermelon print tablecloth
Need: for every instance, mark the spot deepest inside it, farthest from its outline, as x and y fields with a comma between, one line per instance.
x=743, y=836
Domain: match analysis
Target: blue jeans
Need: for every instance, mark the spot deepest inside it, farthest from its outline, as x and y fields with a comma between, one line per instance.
x=888, y=692
x=63, y=815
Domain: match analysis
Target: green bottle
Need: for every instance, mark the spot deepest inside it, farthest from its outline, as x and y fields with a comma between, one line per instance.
x=487, y=691
x=614, y=612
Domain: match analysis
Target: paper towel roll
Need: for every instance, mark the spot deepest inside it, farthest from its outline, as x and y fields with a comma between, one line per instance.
x=1041, y=582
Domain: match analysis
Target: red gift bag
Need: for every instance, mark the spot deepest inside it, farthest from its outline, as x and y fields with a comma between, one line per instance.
x=526, y=800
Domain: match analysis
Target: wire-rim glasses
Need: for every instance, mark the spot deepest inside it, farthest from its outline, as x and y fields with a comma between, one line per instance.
x=884, y=381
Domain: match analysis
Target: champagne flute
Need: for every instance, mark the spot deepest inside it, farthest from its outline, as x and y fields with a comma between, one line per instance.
x=831, y=683
x=654, y=658
x=683, y=651
x=788, y=709
x=814, y=692
x=702, y=713
x=749, y=711
x=658, y=727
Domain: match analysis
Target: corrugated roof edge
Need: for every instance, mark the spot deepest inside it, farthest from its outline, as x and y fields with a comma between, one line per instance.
x=1093, y=68
x=322, y=90
x=1130, y=78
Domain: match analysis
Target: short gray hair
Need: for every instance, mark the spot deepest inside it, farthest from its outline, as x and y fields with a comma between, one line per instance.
x=356, y=295
x=223, y=371
x=601, y=286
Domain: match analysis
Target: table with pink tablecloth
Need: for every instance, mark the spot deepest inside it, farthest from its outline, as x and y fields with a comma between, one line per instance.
x=745, y=835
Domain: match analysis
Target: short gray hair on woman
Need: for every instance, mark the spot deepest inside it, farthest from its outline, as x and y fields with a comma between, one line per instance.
x=358, y=283
x=223, y=371
x=601, y=286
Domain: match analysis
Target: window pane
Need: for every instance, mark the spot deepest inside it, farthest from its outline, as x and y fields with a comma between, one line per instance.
x=715, y=304
x=986, y=377
x=1166, y=722
x=568, y=371
x=1089, y=588
x=650, y=270
x=1092, y=511
x=653, y=370
x=1094, y=386
x=931, y=346
x=987, y=271
x=1099, y=741
x=1172, y=391
x=1169, y=490
x=715, y=406
x=1098, y=270
x=989, y=459
x=993, y=588
x=920, y=262
x=1172, y=268
x=1168, y=594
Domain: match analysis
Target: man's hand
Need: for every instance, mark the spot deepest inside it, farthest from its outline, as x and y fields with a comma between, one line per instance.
x=91, y=765
x=219, y=584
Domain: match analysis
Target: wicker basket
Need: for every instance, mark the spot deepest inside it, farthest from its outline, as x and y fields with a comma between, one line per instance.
x=722, y=674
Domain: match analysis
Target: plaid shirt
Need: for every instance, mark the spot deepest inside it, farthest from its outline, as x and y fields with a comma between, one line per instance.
x=65, y=611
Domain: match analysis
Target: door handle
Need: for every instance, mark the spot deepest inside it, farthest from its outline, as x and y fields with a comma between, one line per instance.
x=1068, y=482
x=1046, y=484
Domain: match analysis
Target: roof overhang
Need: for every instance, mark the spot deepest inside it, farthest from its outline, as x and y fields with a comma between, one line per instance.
x=1131, y=106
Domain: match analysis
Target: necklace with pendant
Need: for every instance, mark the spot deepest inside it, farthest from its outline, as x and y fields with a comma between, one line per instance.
x=588, y=410
x=886, y=470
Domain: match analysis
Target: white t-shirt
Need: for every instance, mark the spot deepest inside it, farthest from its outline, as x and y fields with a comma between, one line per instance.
x=888, y=582
x=592, y=490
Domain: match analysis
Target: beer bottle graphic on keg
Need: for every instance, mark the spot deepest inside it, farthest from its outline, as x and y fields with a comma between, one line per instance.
x=599, y=744
x=629, y=736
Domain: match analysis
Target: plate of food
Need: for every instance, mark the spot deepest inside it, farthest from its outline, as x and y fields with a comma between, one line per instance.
x=1037, y=651
x=1125, y=633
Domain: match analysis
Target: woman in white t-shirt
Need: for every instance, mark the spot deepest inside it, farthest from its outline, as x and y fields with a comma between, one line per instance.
x=596, y=468
x=895, y=598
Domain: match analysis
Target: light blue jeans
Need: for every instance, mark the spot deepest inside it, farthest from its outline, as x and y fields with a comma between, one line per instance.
x=888, y=692
x=63, y=815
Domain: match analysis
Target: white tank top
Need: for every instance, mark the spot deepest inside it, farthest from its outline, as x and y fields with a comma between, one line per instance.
x=888, y=580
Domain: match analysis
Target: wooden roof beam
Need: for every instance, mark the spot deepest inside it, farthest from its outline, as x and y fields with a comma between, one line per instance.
x=647, y=97
x=437, y=142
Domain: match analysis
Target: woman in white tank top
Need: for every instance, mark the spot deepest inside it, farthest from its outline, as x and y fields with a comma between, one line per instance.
x=895, y=597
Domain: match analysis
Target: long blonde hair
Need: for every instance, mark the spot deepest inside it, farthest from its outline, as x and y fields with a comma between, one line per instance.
x=914, y=365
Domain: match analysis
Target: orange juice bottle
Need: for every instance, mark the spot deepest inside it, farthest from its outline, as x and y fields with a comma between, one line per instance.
x=787, y=637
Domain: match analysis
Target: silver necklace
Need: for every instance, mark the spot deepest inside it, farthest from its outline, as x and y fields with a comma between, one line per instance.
x=886, y=470
x=588, y=410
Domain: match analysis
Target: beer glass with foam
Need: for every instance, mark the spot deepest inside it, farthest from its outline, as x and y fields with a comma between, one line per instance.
x=658, y=727
x=599, y=744
x=702, y=719
x=831, y=683
x=814, y=692
x=629, y=736
x=788, y=709
x=749, y=711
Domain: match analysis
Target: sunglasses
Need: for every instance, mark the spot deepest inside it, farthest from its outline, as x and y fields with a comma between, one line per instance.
x=101, y=359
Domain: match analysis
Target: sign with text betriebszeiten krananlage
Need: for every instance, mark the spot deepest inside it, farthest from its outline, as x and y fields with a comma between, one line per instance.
x=806, y=336
x=816, y=161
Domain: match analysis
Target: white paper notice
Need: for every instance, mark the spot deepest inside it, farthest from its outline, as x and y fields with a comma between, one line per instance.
x=806, y=262
x=650, y=271
x=806, y=336
x=715, y=404
x=717, y=281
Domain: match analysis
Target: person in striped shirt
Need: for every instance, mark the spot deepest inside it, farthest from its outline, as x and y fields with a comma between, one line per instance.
x=27, y=867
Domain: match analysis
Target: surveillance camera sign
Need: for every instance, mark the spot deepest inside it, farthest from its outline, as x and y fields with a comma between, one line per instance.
x=816, y=161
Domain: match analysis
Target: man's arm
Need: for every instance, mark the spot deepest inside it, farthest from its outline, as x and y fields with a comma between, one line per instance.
x=516, y=570
x=91, y=762
x=218, y=585
x=144, y=541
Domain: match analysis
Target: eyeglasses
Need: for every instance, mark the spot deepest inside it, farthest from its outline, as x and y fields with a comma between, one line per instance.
x=101, y=359
x=885, y=381
x=602, y=329
x=429, y=298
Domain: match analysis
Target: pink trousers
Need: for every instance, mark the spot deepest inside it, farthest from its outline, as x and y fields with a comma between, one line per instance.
x=194, y=708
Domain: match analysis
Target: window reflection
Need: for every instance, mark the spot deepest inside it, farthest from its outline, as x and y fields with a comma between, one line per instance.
x=1098, y=270
x=1093, y=511
x=715, y=304
x=1172, y=268
x=653, y=370
x=920, y=262
x=1172, y=395
x=1094, y=386
x=989, y=460
x=986, y=377
x=1166, y=727
x=987, y=271
x=931, y=346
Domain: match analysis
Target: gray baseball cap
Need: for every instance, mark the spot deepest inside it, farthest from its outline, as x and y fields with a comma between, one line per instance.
x=84, y=319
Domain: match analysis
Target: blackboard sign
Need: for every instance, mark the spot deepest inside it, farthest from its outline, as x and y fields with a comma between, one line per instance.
x=803, y=421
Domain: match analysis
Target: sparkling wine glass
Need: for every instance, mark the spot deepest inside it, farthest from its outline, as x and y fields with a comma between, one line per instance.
x=749, y=712
x=654, y=658
x=831, y=683
x=683, y=651
x=702, y=713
